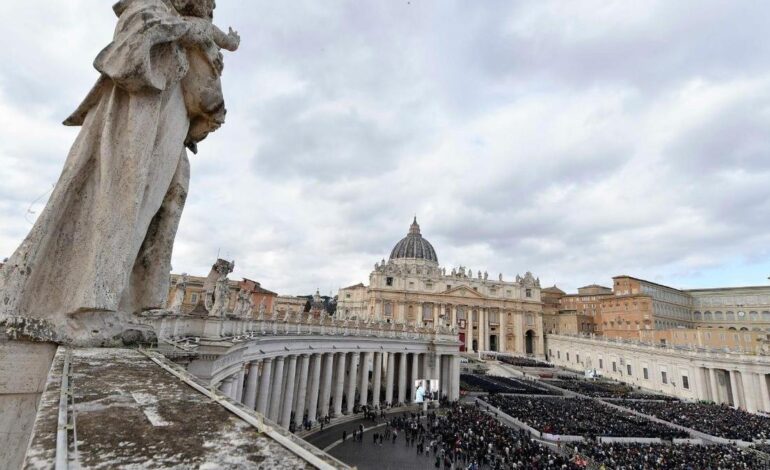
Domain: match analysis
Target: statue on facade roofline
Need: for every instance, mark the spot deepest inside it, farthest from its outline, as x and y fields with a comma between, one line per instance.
x=500, y=277
x=101, y=248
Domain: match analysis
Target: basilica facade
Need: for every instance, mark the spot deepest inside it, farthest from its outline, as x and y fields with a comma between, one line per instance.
x=411, y=287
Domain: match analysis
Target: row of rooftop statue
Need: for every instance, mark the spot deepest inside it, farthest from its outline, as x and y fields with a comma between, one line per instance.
x=391, y=267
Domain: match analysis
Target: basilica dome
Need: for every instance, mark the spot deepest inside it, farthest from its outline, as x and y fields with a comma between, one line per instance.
x=414, y=246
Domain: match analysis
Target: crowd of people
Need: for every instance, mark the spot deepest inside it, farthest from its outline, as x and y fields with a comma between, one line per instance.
x=464, y=436
x=716, y=420
x=603, y=389
x=496, y=384
x=670, y=457
x=579, y=416
x=523, y=361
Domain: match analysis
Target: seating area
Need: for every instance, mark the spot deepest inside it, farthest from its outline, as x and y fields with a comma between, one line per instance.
x=496, y=384
x=671, y=457
x=716, y=420
x=604, y=389
x=579, y=416
x=523, y=361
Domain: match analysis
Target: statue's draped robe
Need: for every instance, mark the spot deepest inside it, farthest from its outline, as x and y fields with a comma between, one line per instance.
x=103, y=243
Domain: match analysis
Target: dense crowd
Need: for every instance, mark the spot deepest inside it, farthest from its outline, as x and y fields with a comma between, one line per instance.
x=496, y=384
x=466, y=437
x=716, y=420
x=523, y=361
x=670, y=457
x=579, y=416
x=604, y=389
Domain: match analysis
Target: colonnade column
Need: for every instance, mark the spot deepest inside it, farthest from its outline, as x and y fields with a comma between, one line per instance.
x=364, y=386
x=402, y=377
x=264, y=385
x=275, y=392
x=239, y=384
x=351, y=392
x=389, y=379
x=326, y=386
x=304, y=368
x=250, y=400
x=502, y=319
x=226, y=387
x=315, y=379
x=288, y=399
x=339, y=384
x=377, y=379
x=468, y=331
x=454, y=378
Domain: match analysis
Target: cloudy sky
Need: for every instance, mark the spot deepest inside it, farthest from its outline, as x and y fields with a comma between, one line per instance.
x=574, y=139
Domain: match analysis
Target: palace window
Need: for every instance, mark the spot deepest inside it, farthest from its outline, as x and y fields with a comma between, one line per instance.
x=685, y=382
x=528, y=292
x=614, y=366
x=568, y=357
x=601, y=364
x=475, y=316
x=494, y=317
x=577, y=357
x=427, y=312
x=628, y=369
x=646, y=374
x=388, y=281
x=663, y=377
x=194, y=298
x=347, y=296
x=460, y=313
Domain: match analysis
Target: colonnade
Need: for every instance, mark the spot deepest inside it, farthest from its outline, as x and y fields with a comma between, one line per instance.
x=739, y=388
x=286, y=388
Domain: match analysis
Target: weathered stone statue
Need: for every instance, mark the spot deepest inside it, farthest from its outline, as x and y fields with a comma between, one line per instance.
x=217, y=287
x=180, y=290
x=100, y=251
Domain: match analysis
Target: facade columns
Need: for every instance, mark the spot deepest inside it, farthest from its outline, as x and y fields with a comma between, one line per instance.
x=339, y=383
x=402, y=377
x=502, y=318
x=250, y=400
x=351, y=392
x=468, y=331
x=299, y=407
x=264, y=386
x=288, y=399
x=377, y=379
x=326, y=386
x=734, y=387
x=315, y=382
x=275, y=392
x=714, y=386
x=364, y=387
x=763, y=389
x=389, y=379
x=749, y=391
x=414, y=375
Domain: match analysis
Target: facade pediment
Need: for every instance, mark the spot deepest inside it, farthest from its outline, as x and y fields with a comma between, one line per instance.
x=463, y=291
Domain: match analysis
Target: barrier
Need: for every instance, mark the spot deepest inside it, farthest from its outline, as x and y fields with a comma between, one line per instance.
x=630, y=440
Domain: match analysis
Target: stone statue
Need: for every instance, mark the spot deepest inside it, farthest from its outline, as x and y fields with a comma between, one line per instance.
x=486, y=275
x=180, y=290
x=101, y=249
x=244, y=304
x=479, y=275
x=500, y=277
x=217, y=287
x=454, y=272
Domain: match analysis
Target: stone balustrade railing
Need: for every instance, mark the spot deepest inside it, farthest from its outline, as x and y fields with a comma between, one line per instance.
x=176, y=326
x=701, y=351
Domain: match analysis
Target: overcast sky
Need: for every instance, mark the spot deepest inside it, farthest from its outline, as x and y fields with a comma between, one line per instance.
x=575, y=139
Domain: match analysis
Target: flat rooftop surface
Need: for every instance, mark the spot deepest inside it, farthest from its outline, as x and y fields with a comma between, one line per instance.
x=132, y=413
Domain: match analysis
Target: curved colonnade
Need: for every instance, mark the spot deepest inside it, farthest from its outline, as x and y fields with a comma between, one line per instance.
x=286, y=370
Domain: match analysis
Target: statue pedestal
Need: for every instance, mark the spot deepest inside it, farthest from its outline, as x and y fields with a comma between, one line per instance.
x=24, y=367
